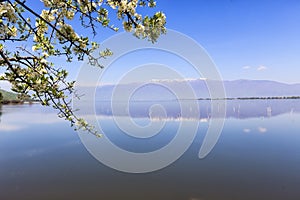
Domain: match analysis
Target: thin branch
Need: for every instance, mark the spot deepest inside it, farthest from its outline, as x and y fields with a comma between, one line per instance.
x=17, y=59
x=11, y=39
x=51, y=25
x=131, y=19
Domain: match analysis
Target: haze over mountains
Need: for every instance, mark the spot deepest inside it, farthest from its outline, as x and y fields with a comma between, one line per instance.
x=162, y=89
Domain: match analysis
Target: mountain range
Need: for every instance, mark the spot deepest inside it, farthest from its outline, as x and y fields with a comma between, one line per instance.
x=162, y=89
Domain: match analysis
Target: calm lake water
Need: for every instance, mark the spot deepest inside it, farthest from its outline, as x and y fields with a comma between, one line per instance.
x=256, y=157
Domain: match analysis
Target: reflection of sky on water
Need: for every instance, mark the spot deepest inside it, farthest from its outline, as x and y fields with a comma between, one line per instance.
x=255, y=158
x=23, y=129
x=15, y=120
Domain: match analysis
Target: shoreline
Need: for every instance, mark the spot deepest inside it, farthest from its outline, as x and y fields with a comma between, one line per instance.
x=17, y=102
x=251, y=98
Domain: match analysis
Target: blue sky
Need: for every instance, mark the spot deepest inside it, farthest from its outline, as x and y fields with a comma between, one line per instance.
x=246, y=39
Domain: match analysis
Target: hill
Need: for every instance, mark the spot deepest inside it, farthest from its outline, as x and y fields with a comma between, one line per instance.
x=8, y=96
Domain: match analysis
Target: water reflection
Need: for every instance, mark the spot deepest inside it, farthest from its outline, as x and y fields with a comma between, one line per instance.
x=256, y=157
x=241, y=109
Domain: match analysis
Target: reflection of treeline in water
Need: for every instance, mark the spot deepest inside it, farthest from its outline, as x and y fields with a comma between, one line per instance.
x=173, y=109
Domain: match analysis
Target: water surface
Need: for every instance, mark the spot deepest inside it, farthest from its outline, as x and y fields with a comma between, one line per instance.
x=256, y=157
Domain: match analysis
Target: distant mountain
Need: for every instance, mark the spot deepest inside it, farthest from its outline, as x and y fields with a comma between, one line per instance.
x=8, y=96
x=162, y=89
x=260, y=88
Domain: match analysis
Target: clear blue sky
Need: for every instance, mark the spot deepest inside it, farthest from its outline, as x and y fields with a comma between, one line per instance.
x=247, y=39
x=254, y=39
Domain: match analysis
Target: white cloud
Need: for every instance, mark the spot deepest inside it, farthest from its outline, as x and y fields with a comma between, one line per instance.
x=261, y=68
x=246, y=67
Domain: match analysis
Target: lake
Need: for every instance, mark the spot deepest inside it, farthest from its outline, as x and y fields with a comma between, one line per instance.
x=257, y=155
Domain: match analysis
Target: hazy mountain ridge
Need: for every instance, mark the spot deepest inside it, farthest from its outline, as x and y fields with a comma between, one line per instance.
x=260, y=88
x=161, y=90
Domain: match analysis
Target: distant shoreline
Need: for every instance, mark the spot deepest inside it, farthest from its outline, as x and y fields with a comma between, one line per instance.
x=10, y=98
x=251, y=98
x=17, y=102
x=20, y=102
x=203, y=99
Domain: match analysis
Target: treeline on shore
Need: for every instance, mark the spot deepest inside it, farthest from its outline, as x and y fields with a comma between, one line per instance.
x=252, y=98
x=14, y=102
